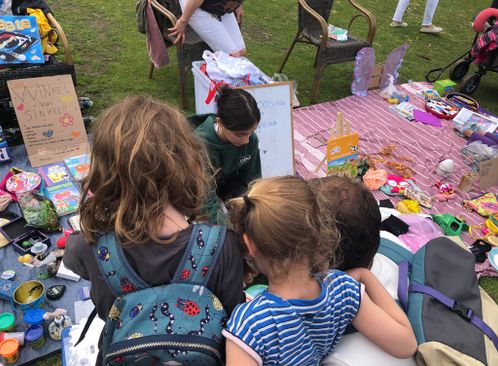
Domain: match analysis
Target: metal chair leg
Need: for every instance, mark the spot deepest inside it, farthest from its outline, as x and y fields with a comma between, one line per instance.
x=316, y=83
x=289, y=52
x=182, y=80
x=151, y=70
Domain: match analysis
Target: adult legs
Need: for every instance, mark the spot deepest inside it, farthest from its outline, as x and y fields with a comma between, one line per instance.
x=218, y=35
x=400, y=10
x=430, y=9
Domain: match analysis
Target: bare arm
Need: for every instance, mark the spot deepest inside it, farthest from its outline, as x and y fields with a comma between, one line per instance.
x=381, y=320
x=236, y=356
x=178, y=30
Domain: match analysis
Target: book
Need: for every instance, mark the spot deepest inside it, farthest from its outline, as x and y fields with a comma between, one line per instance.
x=79, y=166
x=74, y=221
x=339, y=34
x=60, y=188
x=20, y=41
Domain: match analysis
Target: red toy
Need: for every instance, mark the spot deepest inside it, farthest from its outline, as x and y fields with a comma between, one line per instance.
x=61, y=242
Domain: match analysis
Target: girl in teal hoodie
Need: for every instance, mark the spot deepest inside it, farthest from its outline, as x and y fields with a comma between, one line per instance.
x=231, y=142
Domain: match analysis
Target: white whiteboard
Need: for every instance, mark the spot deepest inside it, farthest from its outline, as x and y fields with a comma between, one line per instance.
x=275, y=130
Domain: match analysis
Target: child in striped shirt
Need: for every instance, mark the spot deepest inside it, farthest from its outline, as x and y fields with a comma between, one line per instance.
x=302, y=315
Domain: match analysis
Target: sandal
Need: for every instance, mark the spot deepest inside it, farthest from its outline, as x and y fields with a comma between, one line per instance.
x=451, y=225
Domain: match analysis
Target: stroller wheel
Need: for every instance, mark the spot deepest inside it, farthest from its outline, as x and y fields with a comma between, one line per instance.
x=470, y=83
x=459, y=70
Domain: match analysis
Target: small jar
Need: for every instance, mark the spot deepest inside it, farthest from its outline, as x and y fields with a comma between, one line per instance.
x=34, y=317
x=7, y=322
x=35, y=336
x=9, y=350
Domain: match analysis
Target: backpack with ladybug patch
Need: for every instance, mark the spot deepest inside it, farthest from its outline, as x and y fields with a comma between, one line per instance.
x=175, y=324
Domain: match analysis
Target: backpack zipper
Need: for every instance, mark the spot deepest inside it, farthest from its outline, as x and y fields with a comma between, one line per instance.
x=163, y=344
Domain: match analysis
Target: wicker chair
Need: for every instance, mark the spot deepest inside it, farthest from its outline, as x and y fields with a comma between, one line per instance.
x=313, y=18
x=190, y=50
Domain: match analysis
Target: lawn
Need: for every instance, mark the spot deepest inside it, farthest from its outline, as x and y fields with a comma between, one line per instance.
x=112, y=62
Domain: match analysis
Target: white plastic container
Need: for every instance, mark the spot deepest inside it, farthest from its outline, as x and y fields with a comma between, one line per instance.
x=201, y=89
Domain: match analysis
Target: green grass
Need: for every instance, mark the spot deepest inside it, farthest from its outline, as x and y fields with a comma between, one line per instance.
x=112, y=62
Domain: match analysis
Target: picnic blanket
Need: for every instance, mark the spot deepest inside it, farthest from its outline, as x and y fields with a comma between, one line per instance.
x=378, y=126
x=8, y=260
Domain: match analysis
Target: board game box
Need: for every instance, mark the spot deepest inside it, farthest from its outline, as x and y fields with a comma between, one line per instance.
x=20, y=41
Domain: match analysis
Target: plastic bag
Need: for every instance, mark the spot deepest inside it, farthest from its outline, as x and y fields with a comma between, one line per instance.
x=221, y=66
x=476, y=152
x=39, y=212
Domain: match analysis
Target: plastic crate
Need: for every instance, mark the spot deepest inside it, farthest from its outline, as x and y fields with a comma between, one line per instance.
x=201, y=90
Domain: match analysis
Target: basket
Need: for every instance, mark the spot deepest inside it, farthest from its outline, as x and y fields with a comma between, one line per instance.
x=52, y=69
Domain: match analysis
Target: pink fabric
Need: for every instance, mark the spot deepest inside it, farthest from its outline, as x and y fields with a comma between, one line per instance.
x=158, y=52
x=378, y=126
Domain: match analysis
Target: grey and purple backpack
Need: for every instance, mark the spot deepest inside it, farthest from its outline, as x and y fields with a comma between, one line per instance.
x=179, y=323
x=454, y=320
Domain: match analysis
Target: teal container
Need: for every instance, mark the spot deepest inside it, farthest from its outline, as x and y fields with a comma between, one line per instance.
x=7, y=322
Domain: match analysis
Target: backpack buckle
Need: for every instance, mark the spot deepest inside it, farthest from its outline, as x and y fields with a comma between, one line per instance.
x=463, y=311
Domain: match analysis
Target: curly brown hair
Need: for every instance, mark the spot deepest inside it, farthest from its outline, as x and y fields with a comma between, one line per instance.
x=144, y=157
x=288, y=224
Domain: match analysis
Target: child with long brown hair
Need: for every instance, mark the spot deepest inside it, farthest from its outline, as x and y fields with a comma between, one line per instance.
x=147, y=182
x=306, y=309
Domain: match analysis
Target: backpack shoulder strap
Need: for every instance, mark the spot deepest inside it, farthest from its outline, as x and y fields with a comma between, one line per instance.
x=115, y=269
x=402, y=257
x=394, y=251
x=202, y=253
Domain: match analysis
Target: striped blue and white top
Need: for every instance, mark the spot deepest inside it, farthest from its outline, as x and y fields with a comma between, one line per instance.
x=296, y=332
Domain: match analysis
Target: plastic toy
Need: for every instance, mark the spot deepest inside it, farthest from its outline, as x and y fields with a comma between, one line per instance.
x=444, y=87
x=61, y=242
x=446, y=191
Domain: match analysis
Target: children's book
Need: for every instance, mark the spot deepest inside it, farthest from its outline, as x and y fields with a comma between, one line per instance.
x=339, y=34
x=79, y=166
x=20, y=41
x=60, y=188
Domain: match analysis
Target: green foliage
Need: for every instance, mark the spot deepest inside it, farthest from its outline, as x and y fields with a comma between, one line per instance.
x=111, y=57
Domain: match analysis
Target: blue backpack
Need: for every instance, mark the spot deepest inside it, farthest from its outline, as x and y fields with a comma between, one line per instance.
x=175, y=324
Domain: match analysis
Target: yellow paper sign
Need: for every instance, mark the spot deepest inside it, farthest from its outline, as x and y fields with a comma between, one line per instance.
x=50, y=118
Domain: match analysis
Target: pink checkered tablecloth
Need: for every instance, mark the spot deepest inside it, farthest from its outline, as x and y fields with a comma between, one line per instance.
x=378, y=126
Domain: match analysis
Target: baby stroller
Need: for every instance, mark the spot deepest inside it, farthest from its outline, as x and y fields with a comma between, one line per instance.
x=483, y=53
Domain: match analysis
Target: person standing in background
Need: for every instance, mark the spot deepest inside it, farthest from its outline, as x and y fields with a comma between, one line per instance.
x=427, y=26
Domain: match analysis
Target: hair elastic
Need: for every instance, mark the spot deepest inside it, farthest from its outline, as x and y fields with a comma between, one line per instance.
x=247, y=200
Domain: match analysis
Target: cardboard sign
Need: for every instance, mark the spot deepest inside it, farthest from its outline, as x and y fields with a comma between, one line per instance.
x=488, y=173
x=50, y=118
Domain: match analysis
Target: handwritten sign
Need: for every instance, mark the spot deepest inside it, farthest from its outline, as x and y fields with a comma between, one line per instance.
x=49, y=116
x=275, y=130
x=488, y=173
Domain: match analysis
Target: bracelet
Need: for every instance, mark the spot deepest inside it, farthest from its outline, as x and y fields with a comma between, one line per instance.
x=183, y=21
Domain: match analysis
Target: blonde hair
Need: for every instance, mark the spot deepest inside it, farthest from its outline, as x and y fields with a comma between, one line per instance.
x=288, y=224
x=144, y=157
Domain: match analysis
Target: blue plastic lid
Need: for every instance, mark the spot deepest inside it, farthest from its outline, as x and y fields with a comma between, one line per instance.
x=33, y=333
x=34, y=316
